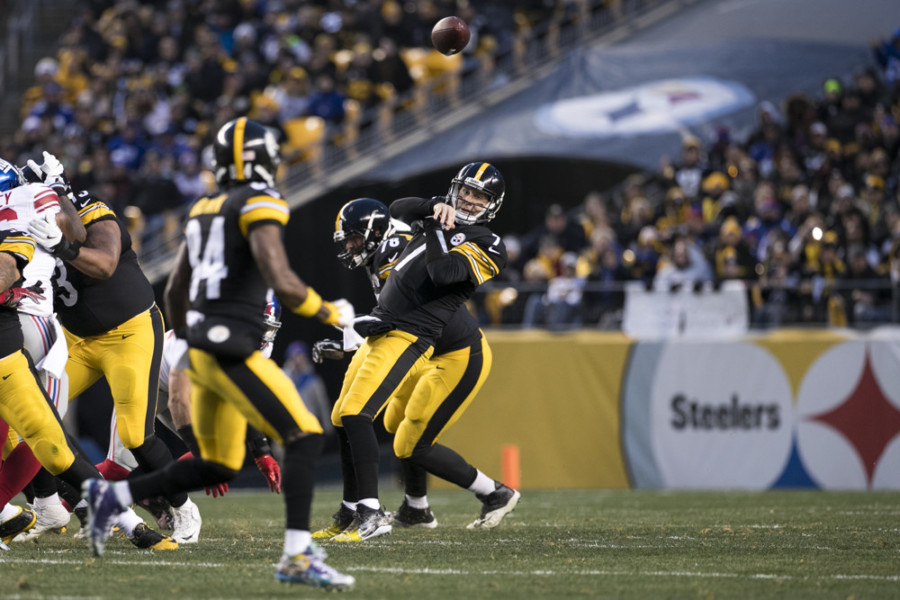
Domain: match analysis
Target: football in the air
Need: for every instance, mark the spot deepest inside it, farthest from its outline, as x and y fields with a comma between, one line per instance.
x=450, y=35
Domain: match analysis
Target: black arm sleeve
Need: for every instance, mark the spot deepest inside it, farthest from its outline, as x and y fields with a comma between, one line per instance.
x=410, y=210
x=257, y=443
x=443, y=268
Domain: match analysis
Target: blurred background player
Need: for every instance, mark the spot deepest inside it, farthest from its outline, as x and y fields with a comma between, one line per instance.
x=114, y=330
x=432, y=277
x=232, y=254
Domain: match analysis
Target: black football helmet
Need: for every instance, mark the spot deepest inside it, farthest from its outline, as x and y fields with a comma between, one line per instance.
x=245, y=151
x=10, y=176
x=361, y=226
x=485, y=178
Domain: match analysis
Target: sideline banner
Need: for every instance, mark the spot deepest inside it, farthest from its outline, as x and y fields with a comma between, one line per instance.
x=686, y=313
x=557, y=398
x=790, y=409
x=814, y=409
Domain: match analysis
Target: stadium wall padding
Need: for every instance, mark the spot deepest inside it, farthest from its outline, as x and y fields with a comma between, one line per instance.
x=797, y=408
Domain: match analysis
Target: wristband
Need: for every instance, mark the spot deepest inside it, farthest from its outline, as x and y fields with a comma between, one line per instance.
x=67, y=250
x=309, y=307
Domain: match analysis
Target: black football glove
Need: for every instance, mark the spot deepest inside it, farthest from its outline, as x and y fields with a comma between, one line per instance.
x=330, y=349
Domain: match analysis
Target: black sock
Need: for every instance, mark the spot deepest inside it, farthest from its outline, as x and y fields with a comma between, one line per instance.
x=43, y=484
x=29, y=493
x=299, y=474
x=364, y=445
x=443, y=462
x=68, y=493
x=152, y=456
x=351, y=492
x=179, y=478
x=187, y=436
x=415, y=478
x=79, y=470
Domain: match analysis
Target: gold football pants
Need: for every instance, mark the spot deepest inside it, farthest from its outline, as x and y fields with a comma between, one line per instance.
x=24, y=405
x=128, y=356
x=228, y=393
x=428, y=404
x=378, y=368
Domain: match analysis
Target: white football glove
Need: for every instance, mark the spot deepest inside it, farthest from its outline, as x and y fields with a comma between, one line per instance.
x=51, y=171
x=352, y=340
x=45, y=231
x=345, y=314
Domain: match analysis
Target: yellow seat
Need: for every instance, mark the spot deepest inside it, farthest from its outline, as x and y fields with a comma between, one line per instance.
x=305, y=138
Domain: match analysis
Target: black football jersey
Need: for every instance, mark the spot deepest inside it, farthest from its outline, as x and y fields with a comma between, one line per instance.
x=21, y=247
x=227, y=288
x=412, y=302
x=384, y=259
x=87, y=306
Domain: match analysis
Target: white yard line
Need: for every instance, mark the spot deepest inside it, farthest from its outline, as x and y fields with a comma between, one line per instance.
x=427, y=571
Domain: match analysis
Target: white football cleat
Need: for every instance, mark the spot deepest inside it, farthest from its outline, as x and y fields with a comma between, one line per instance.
x=187, y=523
x=51, y=517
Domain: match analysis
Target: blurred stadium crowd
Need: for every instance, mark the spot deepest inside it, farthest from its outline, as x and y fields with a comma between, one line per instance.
x=132, y=96
x=806, y=210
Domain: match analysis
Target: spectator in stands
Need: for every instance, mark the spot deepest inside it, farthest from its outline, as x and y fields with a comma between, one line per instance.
x=52, y=108
x=327, y=102
x=731, y=257
x=690, y=170
x=767, y=218
x=866, y=293
x=685, y=266
x=776, y=300
x=643, y=256
x=635, y=216
x=560, y=307
x=887, y=53
x=392, y=70
x=671, y=219
x=292, y=95
x=191, y=180
x=800, y=206
x=604, y=292
x=158, y=200
x=299, y=367
x=568, y=235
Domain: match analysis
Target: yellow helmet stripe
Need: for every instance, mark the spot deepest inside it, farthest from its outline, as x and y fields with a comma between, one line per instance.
x=337, y=221
x=239, y=126
x=481, y=171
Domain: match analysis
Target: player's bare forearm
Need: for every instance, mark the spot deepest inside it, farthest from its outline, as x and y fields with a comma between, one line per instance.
x=69, y=221
x=268, y=251
x=99, y=256
x=9, y=271
x=179, y=398
x=175, y=297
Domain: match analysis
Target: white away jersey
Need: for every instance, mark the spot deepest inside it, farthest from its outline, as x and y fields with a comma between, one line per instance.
x=174, y=350
x=18, y=207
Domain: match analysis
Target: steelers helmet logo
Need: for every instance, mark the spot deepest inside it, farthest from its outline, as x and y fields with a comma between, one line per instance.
x=458, y=239
x=218, y=334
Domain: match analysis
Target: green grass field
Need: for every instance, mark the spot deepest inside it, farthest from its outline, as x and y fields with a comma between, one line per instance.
x=563, y=544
